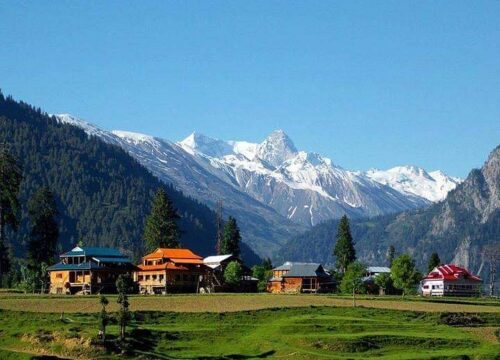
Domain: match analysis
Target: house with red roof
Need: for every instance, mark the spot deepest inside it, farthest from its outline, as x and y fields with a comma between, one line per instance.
x=170, y=270
x=450, y=280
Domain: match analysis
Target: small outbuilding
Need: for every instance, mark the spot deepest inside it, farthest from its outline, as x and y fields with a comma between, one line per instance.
x=450, y=280
x=299, y=277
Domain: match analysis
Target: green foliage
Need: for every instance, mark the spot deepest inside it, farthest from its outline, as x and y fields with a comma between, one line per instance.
x=10, y=181
x=263, y=273
x=344, y=246
x=404, y=274
x=231, y=238
x=161, y=229
x=44, y=232
x=102, y=193
x=383, y=281
x=434, y=261
x=352, y=280
x=233, y=273
x=122, y=300
x=267, y=263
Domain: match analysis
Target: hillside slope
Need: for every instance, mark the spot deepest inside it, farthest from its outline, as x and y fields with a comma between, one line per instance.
x=103, y=194
x=457, y=228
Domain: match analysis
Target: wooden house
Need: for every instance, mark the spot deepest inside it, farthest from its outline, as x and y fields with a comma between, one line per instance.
x=88, y=270
x=450, y=280
x=300, y=277
x=170, y=270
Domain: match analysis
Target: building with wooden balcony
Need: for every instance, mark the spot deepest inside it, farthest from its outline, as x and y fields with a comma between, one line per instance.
x=170, y=271
x=88, y=270
x=294, y=277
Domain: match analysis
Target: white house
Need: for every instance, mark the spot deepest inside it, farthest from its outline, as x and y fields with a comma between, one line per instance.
x=450, y=280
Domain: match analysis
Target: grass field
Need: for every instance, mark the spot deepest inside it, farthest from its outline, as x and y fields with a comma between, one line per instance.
x=239, y=302
x=233, y=327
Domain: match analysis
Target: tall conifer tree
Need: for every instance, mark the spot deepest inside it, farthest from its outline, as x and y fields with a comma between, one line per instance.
x=434, y=261
x=161, y=225
x=231, y=238
x=344, y=245
x=44, y=231
x=10, y=181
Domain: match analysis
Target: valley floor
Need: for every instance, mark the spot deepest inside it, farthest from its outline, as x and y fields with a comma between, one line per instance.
x=246, y=326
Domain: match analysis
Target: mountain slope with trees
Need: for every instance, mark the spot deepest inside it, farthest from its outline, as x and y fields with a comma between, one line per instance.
x=458, y=228
x=103, y=195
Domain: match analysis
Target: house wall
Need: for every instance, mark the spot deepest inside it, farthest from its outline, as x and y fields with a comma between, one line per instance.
x=174, y=280
x=459, y=287
x=274, y=287
x=292, y=284
x=57, y=281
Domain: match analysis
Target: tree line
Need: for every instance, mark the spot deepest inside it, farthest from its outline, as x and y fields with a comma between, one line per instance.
x=404, y=275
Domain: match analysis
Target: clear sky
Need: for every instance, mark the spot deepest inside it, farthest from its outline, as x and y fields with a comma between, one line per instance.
x=366, y=83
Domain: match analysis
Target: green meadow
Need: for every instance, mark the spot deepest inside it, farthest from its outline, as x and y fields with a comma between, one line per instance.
x=311, y=332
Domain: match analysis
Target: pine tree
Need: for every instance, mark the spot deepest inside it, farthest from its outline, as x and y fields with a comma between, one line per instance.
x=10, y=181
x=161, y=227
x=434, y=261
x=231, y=238
x=344, y=245
x=44, y=231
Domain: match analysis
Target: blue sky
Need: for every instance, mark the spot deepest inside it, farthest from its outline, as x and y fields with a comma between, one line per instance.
x=366, y=83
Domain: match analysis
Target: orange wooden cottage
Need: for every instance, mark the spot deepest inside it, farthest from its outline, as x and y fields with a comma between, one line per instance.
x=300, y=277
x=170, y=270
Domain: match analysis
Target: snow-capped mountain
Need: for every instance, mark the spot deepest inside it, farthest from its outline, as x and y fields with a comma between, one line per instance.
x=304, y=187
x=272, y=188
x=433, y=186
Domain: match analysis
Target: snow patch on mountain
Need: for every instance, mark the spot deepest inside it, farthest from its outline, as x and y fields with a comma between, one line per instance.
x=433, y=186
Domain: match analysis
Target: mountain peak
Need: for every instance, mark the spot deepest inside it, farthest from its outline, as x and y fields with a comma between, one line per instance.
x=276, y=148
x=203, y=144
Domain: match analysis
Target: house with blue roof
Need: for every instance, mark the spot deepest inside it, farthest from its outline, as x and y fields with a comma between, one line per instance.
x=88, y=270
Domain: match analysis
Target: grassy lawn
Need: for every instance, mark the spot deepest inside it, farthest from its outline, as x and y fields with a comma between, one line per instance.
x=298, y=333
x=246, y=326
x=239, y=302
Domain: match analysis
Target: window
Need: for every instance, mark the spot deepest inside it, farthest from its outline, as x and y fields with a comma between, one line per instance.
x=147, y=277
x=161, y=277
x=140, y=277
x=426, y=286
x=59, y=275
x=177, y=278
x=154, y=277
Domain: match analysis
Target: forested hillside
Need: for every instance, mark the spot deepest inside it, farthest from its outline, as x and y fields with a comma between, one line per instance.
x=103, y=194
x=458, y=228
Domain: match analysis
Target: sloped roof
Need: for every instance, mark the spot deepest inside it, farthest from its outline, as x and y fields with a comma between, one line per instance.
x=378, y=269
x=82, y=266
x=93, y=251
x=176, y=255
x=306, y=270
x=106, y=259
x=216, y=259
x=450, y=272
x=286, y=266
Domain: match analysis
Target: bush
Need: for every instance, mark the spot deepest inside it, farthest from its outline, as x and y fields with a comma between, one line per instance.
x=233, y=273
